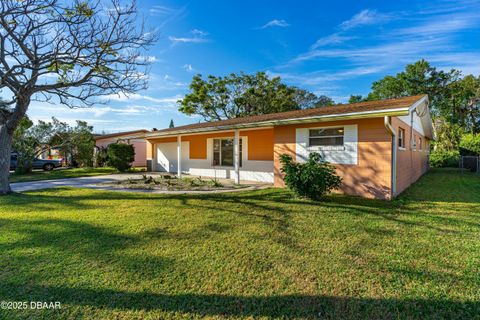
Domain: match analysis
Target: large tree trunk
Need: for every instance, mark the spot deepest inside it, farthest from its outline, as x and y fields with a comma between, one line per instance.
x=5, y=152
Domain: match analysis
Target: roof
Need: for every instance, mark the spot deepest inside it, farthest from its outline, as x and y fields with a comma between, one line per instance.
x=399, y=106
x=120, y=134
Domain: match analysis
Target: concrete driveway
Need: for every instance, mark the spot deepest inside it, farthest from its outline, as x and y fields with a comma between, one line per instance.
x=96, y=183
x=82, y=182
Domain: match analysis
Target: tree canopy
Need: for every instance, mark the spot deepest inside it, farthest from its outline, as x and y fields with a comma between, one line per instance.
x=453, y=97
x=239, y=95
x=68, y=53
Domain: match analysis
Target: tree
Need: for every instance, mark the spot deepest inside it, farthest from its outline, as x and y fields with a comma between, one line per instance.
x=81, y=143
x=355, y=98
x=24, y=144
x=418, y=78
x=171, y=125
x=65, y=52
x=233, y=96
x=30, y=140
x=323, y=101
x=453, y=98
x=464, y=100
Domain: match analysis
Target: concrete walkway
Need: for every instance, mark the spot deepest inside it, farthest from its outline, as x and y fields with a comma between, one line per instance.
x=97, y=181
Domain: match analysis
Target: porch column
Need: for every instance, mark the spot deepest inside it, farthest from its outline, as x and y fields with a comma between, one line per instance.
x=179, y=156
x=236, y=155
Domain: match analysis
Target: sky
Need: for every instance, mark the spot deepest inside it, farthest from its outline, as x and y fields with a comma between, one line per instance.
x=335, y=48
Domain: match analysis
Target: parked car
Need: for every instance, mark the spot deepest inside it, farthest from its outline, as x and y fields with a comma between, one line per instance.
x=45, y=164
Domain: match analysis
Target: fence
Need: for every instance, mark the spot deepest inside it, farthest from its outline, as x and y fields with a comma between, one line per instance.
x=471, y=163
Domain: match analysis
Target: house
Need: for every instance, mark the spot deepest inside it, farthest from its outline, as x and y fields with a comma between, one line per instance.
x=131, y=137
x=379, y=148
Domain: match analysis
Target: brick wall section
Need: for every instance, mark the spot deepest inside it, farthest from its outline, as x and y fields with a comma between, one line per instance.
x=371, y=178
x=411, y=164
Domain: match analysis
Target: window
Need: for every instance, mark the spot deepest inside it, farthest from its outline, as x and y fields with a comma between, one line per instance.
x=326, y=137
x=223, y=152
x=401, y=138
x=420, y=143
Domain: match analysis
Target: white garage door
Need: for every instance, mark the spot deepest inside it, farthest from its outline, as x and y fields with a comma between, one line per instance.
x=166, y=157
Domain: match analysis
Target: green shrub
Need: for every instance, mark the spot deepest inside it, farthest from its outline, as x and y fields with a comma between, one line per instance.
x=470, y=144
x=312, y=179
x=442, y=158
x=101, y=157
x=120, y=156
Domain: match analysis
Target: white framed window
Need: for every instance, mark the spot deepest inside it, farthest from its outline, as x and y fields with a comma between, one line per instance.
x=401, y=138
x=325, y=137
x=223, y=152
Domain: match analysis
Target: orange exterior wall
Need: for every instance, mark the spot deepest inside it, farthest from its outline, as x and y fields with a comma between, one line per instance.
x=411, y=164
x=260, y=143
x=370, y=178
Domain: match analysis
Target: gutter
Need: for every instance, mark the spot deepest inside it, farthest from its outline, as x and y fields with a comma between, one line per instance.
x=391, y=130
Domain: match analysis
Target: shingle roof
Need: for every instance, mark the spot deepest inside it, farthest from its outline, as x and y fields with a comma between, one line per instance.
x=339, y=109
x=119, y=134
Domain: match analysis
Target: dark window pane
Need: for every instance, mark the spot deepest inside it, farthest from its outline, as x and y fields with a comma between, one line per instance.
x=326, y=132
x=331, y=141
x=227, y=152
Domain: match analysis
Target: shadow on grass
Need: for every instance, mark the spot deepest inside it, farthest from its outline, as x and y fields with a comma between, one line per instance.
x=274, y=207
x=283, y=306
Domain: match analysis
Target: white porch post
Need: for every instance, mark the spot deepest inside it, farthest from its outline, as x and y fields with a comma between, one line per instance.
x=179, y=156
x=236, y=155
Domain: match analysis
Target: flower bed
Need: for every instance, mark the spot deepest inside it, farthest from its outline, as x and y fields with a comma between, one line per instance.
x=173, y=183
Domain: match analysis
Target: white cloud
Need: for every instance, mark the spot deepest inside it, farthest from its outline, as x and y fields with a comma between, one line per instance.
x=188, y=67
x=187, y=40
x=444, y=24
x=158, y=10
x=364, y=17
x=199, y=33
x=198, y=36
x=332, y=39
x=135, y=96
x=147, y=59
x=275, y=23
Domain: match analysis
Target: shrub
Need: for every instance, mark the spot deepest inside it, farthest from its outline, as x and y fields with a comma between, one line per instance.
x=101, y=157
x=120, y=156
x=442, y=158
x=312, y=179
x=470, y=145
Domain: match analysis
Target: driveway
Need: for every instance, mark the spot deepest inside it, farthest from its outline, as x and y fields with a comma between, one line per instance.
x=96, y=183
x=82, y=182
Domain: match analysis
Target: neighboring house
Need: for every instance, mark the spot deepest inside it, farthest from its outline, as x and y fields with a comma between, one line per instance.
x=130, y=137
x=378, y=147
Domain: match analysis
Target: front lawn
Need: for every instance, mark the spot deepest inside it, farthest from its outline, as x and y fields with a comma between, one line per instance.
x=117, y=255
x=63, y=173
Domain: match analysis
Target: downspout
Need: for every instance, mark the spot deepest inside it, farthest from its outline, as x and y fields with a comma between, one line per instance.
x=391, y=130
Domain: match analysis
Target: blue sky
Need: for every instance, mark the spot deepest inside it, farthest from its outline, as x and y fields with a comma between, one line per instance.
x=336, y=48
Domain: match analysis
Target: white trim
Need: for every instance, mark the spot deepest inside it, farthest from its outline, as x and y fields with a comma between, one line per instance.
x=348, y=154
x=236, y=156
x=179, y=156
x=391, y=130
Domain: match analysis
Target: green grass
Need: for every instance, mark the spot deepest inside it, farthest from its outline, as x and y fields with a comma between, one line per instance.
x=65, y=173
x=258, y=254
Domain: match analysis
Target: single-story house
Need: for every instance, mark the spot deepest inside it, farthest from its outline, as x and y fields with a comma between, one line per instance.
x=131, y=137
x=379, y=148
